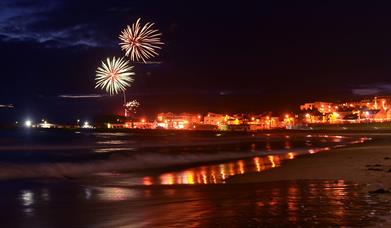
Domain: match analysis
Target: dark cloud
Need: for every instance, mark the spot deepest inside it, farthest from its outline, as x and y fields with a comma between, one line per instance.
x=24, y=21
x=81, y=96
x=6, y=106
x=372, y=89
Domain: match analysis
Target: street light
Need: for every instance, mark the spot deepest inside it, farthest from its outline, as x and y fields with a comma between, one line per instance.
x=28, y=123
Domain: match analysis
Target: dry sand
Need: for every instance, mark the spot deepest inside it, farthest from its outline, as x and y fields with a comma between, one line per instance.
x=368, y=164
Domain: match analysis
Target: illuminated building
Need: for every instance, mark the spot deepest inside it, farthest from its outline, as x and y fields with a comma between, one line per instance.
x=142, y=124
x=87, y=125
x=375, y=109
x=322, y=107
x=215, y=119
x=235, y=120
x=45, y=124
x=178, y=121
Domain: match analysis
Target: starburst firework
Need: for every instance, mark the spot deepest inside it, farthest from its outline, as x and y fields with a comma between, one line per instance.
x=114, y=75
x=139, y=42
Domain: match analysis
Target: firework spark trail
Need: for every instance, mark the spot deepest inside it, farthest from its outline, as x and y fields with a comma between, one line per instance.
x=139, y=42
x=114, y=75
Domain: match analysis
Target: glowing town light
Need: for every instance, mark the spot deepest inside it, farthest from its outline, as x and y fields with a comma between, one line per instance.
x=143, y=121
x=28, y=123
x=86, y=125
x=45, y=124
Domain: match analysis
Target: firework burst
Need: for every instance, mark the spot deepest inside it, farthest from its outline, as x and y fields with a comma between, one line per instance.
x=132, y=105
x=114, y=75
x=140, y=42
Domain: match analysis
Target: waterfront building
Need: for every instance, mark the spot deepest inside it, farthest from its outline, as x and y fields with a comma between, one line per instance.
x=215, y=119
x=184, y=120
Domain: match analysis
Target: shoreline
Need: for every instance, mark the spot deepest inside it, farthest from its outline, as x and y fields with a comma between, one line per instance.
x=368, y=164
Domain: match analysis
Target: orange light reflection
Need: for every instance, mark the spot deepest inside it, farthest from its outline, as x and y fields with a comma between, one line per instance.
x=218, y=173
x=271, y=159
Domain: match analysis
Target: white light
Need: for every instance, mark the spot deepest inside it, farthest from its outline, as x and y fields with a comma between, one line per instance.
x=28, y=123
x=87, y=125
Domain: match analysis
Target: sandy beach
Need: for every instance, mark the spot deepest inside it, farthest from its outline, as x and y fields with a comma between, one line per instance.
x=368, y=164
x=97, y=191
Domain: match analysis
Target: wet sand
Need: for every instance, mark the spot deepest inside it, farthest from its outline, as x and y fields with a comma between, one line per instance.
x=277, y=204
x=368, y=164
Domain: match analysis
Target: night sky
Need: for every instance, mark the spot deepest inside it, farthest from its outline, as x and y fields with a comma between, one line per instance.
x=244, y=56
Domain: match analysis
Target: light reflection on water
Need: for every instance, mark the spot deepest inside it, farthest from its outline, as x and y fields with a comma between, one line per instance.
x=27, y=198
x=113, y=149
x=218, y=173
x=114, y=142
x=116, y=194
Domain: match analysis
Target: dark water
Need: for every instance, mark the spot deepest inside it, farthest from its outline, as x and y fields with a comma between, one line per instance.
x=149, y=158
x=170, y=179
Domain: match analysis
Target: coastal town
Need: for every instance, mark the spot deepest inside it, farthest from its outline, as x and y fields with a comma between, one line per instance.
x=375, y=109
x=371, y=110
